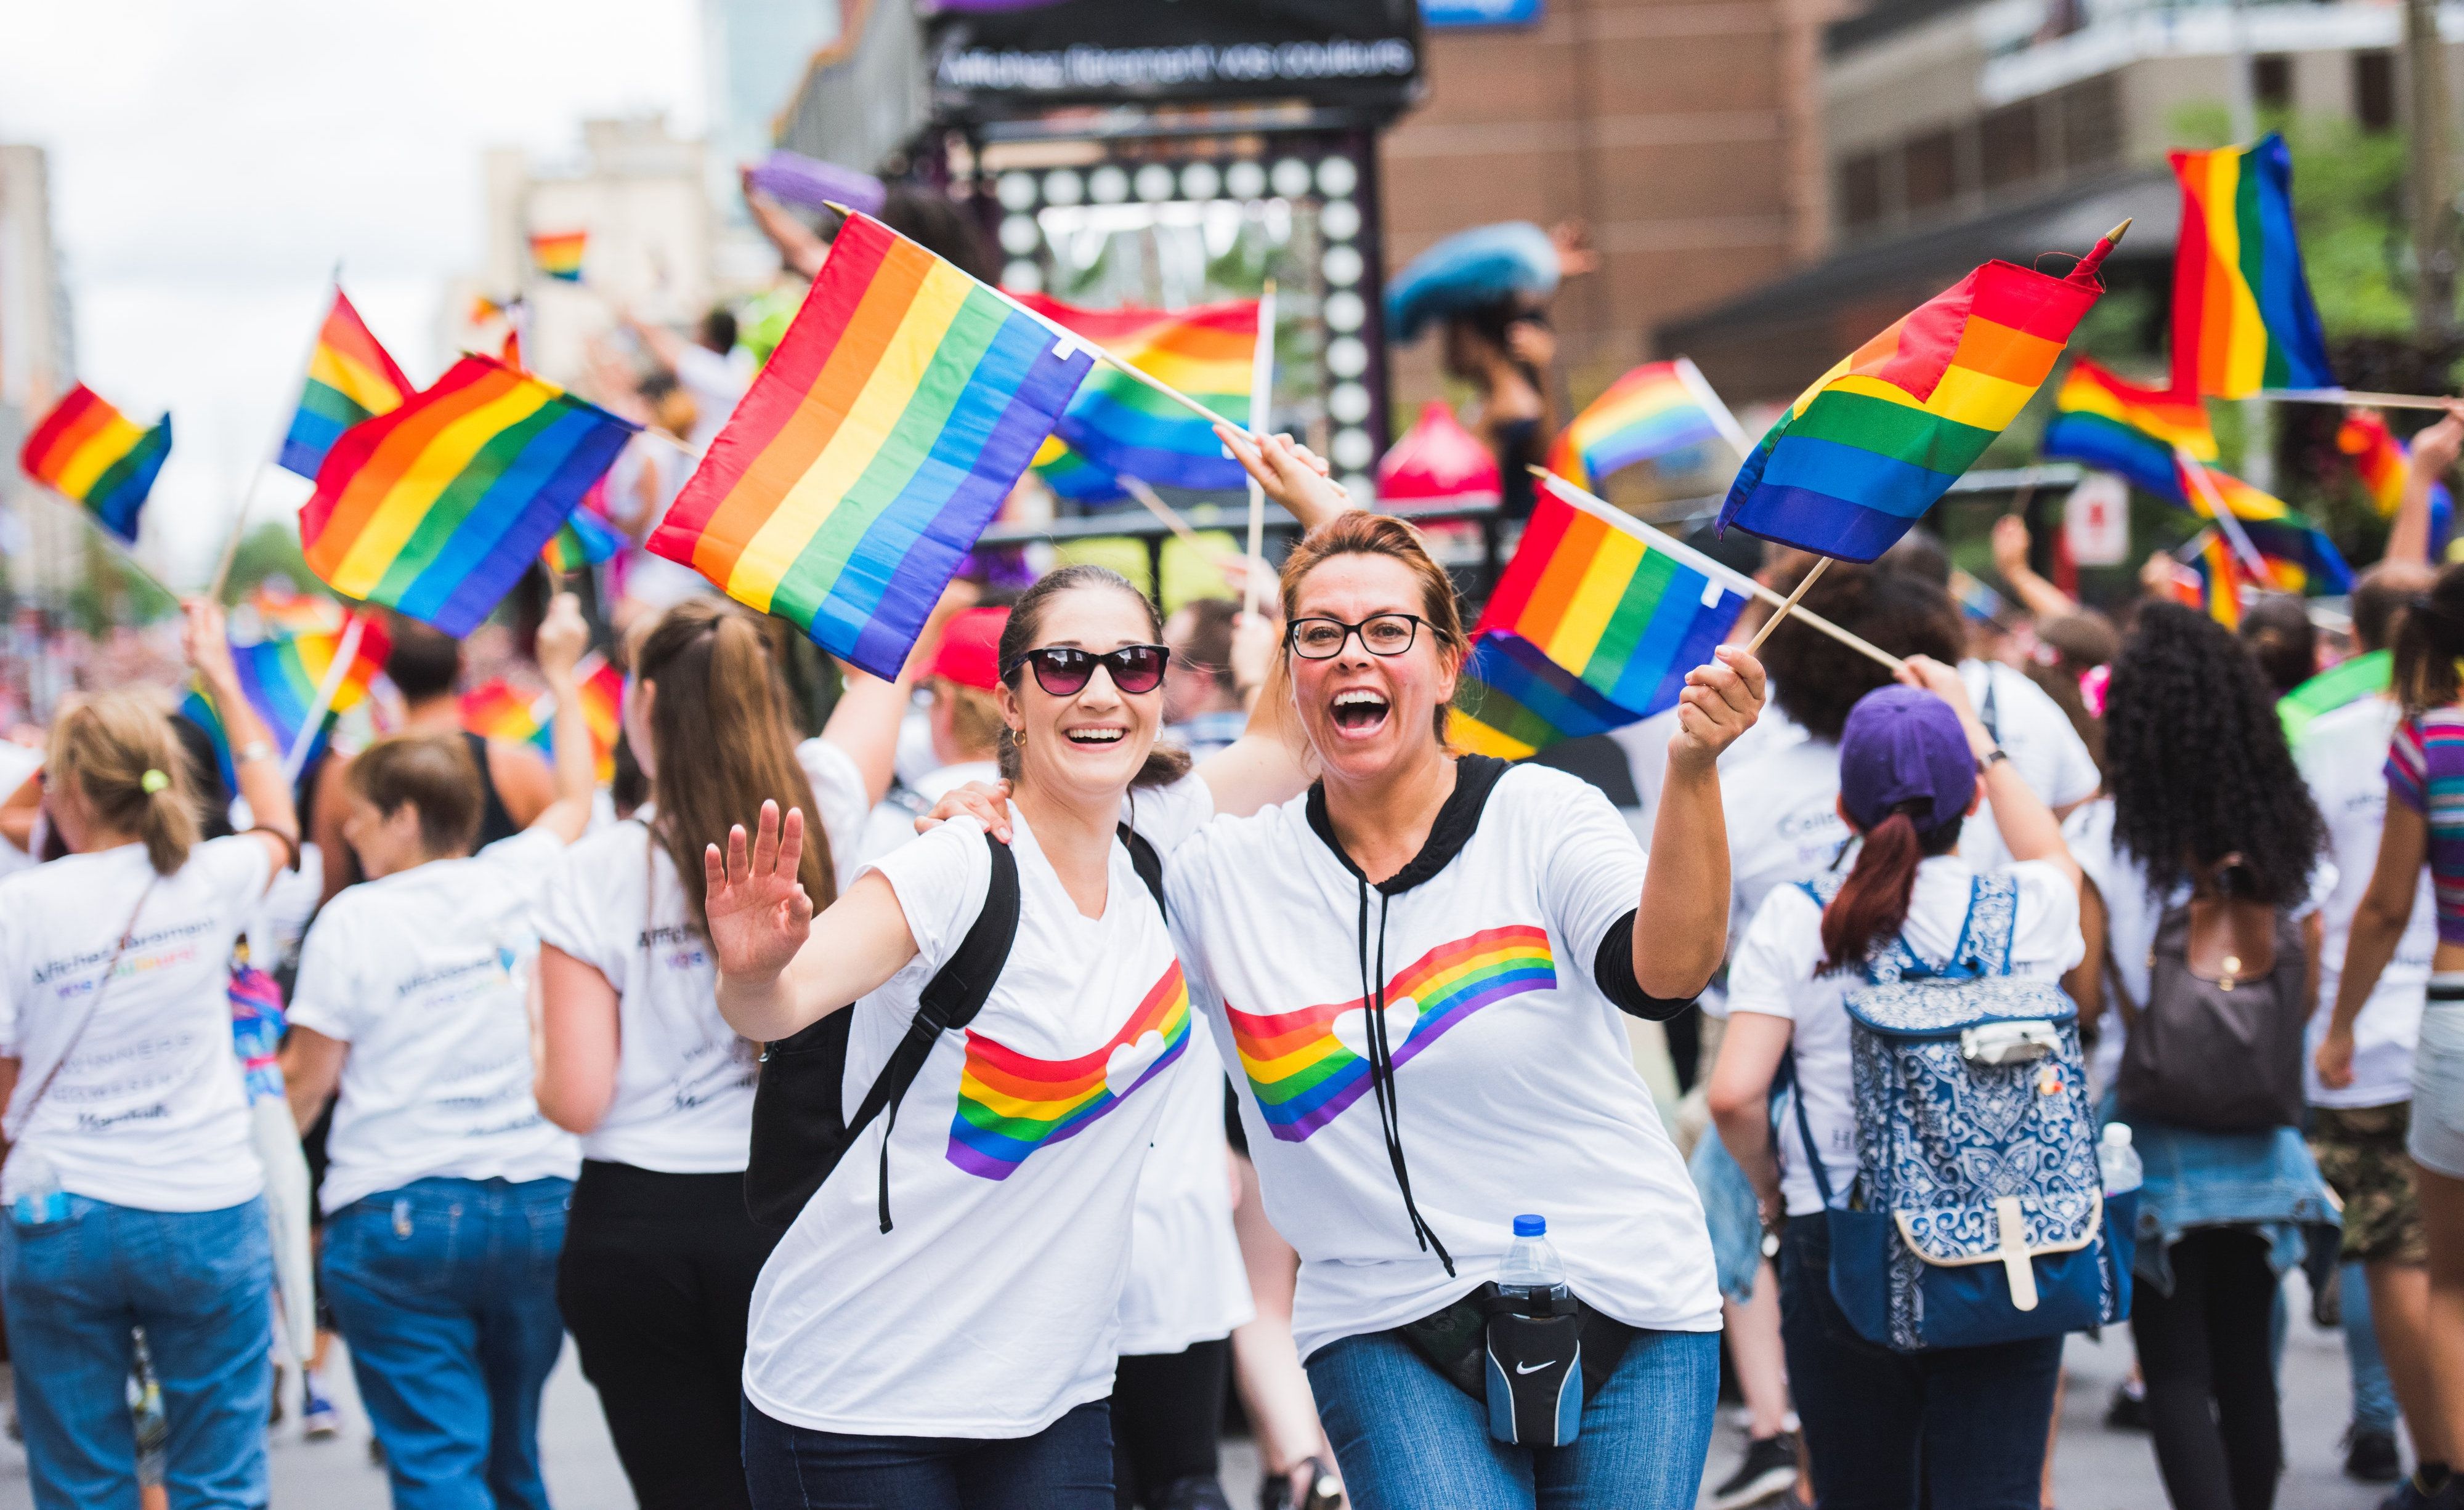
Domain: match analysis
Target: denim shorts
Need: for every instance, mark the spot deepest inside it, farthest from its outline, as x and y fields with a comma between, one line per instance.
x=2438, y=1140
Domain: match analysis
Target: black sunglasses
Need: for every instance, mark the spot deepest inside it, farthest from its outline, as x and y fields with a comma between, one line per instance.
x=1064, y=671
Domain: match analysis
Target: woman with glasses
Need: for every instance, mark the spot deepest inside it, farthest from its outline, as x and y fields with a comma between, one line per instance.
x=938, y=1326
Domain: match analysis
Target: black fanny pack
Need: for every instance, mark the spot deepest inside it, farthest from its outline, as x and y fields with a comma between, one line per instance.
x=1533, y=1372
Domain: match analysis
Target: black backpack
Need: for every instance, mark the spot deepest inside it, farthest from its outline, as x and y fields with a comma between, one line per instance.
x=801, y=1130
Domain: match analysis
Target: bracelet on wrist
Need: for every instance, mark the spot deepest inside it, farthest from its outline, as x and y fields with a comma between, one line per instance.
x=254, y=750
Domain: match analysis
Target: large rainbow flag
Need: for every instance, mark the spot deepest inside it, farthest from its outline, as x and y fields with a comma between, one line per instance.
x=1119, y=424
x=350, y=378
x=1879, y=437
x=2111, y=423
x=439, y=506
x=2243, y=318
x=1594, y=624
x=1657, y=408
x=280, y=677
x=87, y=451
x=876, y=446
x=496, y=710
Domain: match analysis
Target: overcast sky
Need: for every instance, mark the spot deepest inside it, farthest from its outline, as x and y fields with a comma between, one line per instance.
x=212, y=161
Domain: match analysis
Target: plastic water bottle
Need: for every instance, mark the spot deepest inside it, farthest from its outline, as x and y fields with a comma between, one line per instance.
x=40, y=1198
x=2118, y=1159
x=1532, y=1273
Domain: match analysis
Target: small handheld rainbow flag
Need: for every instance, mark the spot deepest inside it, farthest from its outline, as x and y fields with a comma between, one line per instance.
x=889, y=423
x=496, y=711
x=1594, y=624
x=2385, y=464
x=2298, y=555
x=85, y=449
x=439, y=506
x=2243, y=318
x=558, y=254
x=350, y=378
x=1120, y=424
x=282, y=612
x=2108, y=421
x=282, y=676
x=584, y=540
x=1657, y=408
x=1883, y=434
x=2219, y=578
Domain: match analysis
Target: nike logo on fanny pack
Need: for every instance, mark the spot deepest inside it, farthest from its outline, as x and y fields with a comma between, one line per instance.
x=1529, y=1368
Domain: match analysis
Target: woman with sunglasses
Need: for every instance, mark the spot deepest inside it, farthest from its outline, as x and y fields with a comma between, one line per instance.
x=939, y=1324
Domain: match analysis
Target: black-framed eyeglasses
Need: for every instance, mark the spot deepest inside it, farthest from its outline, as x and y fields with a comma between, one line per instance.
x=1064, y=670
x=1380, y=634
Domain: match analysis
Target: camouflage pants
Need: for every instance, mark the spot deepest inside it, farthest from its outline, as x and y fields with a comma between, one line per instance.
x=2359, y=1151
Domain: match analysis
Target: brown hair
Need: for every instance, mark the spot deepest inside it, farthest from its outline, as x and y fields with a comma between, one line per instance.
x=722, y=743
x=436, y=775
x=105, y=746
x=975, y=715
x=1165, y=763
x=1355, y=531
x=1873, y=904
x=2428, y=641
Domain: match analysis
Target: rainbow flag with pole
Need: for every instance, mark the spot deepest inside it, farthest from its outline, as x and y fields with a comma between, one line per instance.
x=2297, y=553
x=496, y=710
x=438, y=507
x=2243, y=318
x=2384, y=463
x=881, y=438
x=350, y=378
x=87, y=451
x=1116, y=424
x=2219, y=578
x=1657, y=408
x=1884, y=433
x=2113, y=424
x=1592, y=625
x=558, y=253
x=280, y=677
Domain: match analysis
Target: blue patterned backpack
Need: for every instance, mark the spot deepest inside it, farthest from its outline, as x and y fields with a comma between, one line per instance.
x=1978, y=1214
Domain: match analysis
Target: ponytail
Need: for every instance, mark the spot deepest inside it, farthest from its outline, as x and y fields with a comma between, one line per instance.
x=2428, y=641
x=119, y=753
x=1873, y=905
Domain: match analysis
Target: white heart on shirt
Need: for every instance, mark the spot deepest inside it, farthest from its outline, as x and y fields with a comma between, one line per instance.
x=1131, y=1060
x=1351, y=1028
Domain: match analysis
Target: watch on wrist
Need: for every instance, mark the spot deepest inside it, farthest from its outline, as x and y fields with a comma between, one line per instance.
x=1990, y=758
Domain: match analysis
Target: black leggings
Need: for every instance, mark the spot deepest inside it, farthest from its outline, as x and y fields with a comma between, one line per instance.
x=2204, y=1351
x=1167, y=1415
x=656, y=1284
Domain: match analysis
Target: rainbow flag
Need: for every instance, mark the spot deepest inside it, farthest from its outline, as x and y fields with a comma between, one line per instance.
x=439, y=506
x=1011, y=1103
x=1120, y=424
x=350, y=378
x=582, y=542
x=1594, y=624
x=1879, y=437
x=1071, y=475
x=881, y=438
x=496, y=710
x=2220, y=578
x=280, y=677
x=2243, y=319
x=558, y=254
x=1658, y=408
x=2300, y=557
x=2110, y=423
x=281, y=613
x=85, y=449
x=2384, y=463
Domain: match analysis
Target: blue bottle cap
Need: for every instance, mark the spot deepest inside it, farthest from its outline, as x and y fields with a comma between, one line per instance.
x=1531, y=1226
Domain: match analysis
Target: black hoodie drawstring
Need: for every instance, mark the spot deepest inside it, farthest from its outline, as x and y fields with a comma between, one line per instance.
x=1381, y=1069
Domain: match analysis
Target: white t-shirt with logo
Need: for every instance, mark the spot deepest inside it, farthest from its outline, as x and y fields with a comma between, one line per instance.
x=1187, y=1283
x=425, y=974
x=991, y=1308
x=684, y=1080
x=148, y=1109
x=2343, y=755
x=1775, y=973
x=2045, y=751
x=1514, y=1077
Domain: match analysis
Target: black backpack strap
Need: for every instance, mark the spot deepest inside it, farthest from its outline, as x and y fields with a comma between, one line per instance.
x=1148, y=864
x=951, y=999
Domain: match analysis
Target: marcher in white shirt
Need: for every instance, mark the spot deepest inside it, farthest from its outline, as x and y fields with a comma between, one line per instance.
x=445, y=1191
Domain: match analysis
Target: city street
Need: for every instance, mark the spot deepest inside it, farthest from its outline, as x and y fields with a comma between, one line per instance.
x=2095, y=1468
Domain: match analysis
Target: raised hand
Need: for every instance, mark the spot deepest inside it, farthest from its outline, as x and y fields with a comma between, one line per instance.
x=1717, y=705
x=1290, y=472
x=207, y=643
x=563, y=634
x=757, y=910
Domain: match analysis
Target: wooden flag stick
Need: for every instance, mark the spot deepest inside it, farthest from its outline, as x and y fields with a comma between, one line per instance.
x=2227, y=524
x=1137, y=488
x=1261, y=394
x=1820, y=566
x=2355, y=397
x=345, y=654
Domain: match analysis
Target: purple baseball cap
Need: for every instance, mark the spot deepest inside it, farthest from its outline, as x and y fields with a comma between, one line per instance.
x=1905, y=744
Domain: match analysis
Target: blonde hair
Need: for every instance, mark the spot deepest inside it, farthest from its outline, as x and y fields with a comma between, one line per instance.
x=975, y=717
x=117, y=753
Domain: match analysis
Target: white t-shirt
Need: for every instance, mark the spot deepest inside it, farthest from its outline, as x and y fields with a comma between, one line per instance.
x=2044, y=750
x=424, y=974
x=1774, y=974
x=1515, y=1080
x=892, y=824
x=148, y=1110
x=1187, y=1283
x=684, y=1080
x=1784, y=823
x=992, y=1306
x=2343, y=755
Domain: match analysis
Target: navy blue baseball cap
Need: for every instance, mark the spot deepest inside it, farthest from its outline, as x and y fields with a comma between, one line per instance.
x=1903, y=744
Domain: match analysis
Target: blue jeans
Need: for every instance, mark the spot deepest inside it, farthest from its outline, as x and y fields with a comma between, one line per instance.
x=445, y=1291
x=201, y=1285
x=1968, y=1424
x=1407, y=1438
x=1066, y=1466
x=2373, y=1396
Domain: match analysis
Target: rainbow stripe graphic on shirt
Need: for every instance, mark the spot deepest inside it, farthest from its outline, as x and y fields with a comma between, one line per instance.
x=1302, y=1071
x=1011, y=1103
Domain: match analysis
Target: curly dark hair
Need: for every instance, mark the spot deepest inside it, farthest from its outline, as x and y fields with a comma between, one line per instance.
x=1815, y=680
x=2198, y=764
